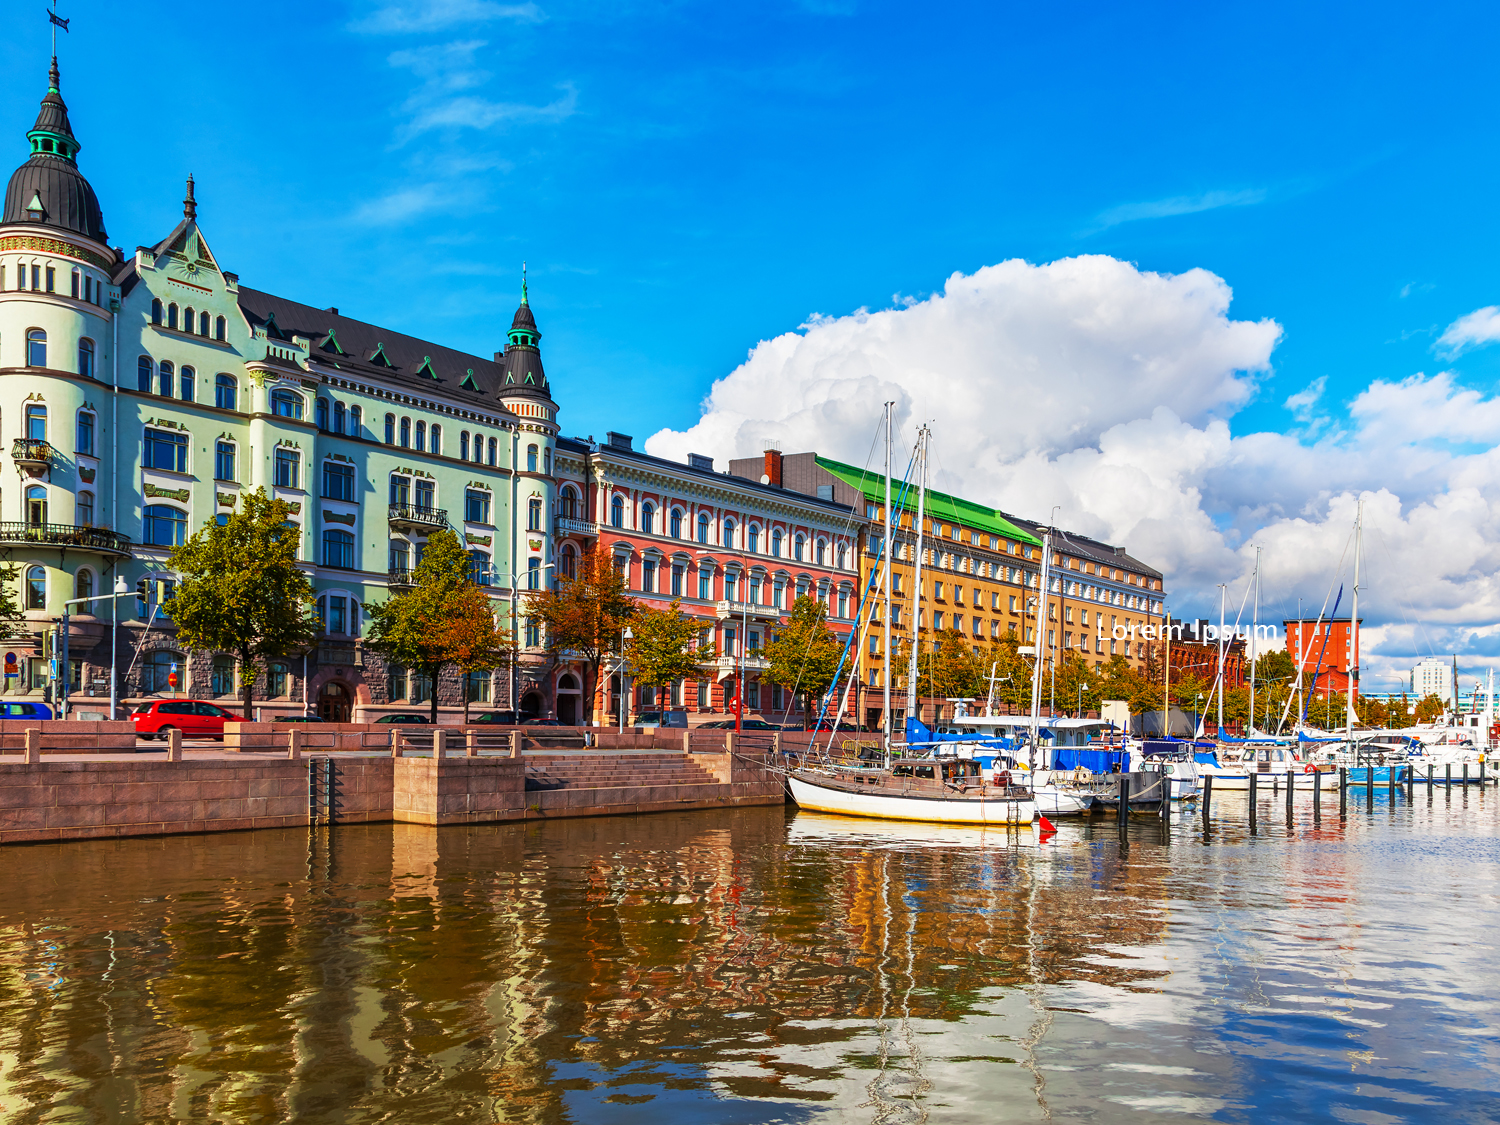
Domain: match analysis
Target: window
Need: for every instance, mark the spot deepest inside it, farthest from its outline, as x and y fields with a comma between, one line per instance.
x=36, y=506
x=156, y=310
x=189, y=377
x=225, y=392
x=426, y=493
x=406, y=433
x=533, y=629
x=187, y=319
x=799, y=545
x=51, y=280
x=223, y=460
x=533, y=574
x=164, y=526
x=477, y=687
x=617, y=512
x=820, y=552
x=705, y=584
x=165, y=449
x=36, y=348
x=395, y=682
x=203, y=324
x=164, y=379
x=83, y=587
x=436, y=437
x=547, y=462
x=286, y=404
x=74, y=292
x=156, y=675
x=841, y=557
x=221, y=681
x=569, y=562
x=778, y=592
x=36, y=588
x=399, y=558
x=331, y=613
x=338, y=417
x=776, y=543
x=86, y=358
x=356, y=422
x=463, y=445
x=728, y=540
x=338, y=549
x=534, y=514
x=476, y=506
x=843, y=603
x=648, y=517
x=421, y=442
x=648, y=576
x=288, y=468
x=144, y=370
x=676, y=523
x=493, y=448
x=531, y=458
x=703, y=527
x=85, y=432
x=390, y=429
x=400, y=491
x=320, y=413
x=83, y=509
x=755, y=584
x=338, y=480
x=172, y=315
x=479, y=568
x=677, y=572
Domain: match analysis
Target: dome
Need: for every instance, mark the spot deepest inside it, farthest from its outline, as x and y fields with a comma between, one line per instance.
x=523, y=358
x=49, y=189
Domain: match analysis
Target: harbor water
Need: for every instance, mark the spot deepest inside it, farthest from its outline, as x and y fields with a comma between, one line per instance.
x=765, y=965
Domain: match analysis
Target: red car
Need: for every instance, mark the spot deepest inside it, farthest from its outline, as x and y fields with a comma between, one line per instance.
x=193, y=717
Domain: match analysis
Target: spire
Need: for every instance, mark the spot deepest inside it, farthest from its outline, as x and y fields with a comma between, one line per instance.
x=54, y=79
x=523, y=283
x=190, y=205
x=52, y=135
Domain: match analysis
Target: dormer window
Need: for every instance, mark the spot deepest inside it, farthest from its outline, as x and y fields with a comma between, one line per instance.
x=34, y=208
x=46, y=145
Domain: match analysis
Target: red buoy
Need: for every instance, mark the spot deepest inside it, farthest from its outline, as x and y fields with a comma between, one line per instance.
x=1047, y=826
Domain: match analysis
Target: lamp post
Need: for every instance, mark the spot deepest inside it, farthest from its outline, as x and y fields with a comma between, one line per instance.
x=1082, y=687
x=626, y=636
x=121, y=591
x=515, y=664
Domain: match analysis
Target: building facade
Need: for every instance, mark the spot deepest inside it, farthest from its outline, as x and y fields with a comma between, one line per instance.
x=1432, y=677
x=1196, y=650
x=145, y=392
x=1324, y=651
x=733, y=552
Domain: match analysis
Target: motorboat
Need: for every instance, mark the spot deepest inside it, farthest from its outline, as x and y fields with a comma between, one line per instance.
x=941, y=790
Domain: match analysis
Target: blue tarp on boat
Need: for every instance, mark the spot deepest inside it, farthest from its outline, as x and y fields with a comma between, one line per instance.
x=1099, y=761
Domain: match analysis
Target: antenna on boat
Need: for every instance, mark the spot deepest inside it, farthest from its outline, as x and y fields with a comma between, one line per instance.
x=1036, y=651
x=886, y=614
x=916, y=614
x=1353, y=673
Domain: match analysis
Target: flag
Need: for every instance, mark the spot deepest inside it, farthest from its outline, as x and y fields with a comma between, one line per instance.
x=57, y=21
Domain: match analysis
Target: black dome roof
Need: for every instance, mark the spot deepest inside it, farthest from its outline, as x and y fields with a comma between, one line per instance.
x=68, y=201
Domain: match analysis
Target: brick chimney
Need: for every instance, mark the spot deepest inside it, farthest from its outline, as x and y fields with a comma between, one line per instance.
x=773, y=467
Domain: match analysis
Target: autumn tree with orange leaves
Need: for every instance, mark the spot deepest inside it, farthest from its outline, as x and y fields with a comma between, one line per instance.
x=586, y=614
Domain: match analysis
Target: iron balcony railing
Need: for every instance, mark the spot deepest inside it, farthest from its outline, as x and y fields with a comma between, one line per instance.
x=415, y=516
x=401, y=576
x=31, y=451
x=563, y=525
x=65, y=535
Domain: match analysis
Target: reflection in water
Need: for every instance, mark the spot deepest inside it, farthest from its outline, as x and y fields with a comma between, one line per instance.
x=759, y=966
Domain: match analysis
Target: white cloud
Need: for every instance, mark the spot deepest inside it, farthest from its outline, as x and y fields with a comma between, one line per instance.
x=446, y=99
x=1472, y=330
x=435, y=15
x=1110, y=391
x=1177, y=205
x=1301, y=404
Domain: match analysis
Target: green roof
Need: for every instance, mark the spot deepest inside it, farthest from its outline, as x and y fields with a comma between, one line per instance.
x=938, y=505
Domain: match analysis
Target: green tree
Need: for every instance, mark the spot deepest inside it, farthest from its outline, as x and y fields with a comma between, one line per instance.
x=664, y=645
x=443, y=620
x=586, y=614
x=241, y=591
x=952, y=669
x=804, y=655
x=1430, y=709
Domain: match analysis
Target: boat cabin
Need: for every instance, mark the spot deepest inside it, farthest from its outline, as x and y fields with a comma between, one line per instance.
x=956, y=769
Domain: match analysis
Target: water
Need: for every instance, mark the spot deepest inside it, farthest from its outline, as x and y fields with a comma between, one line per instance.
x=762, y=966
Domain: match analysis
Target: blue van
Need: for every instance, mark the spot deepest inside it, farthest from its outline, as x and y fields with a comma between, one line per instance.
x=25, y=711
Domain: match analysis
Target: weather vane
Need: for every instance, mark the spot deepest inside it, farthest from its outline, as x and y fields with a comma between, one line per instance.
x=57, y=22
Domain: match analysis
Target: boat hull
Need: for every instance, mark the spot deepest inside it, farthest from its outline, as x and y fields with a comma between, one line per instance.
x=810, y=794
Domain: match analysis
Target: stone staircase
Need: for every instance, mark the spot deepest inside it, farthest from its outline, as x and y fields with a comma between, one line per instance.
x=618, y=772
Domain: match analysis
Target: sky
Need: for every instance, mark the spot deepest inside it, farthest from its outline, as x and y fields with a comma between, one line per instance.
x=1200, y=276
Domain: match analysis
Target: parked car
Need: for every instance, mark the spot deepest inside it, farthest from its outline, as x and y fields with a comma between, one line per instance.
x=405, y=720
x=661, y=719
x=25, y=711
x=298, y=719
x=540, y=723
x=746, y=724
x=497, y=718
x=195, y=718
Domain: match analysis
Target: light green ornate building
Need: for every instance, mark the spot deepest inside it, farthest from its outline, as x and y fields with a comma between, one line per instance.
x=143, y=392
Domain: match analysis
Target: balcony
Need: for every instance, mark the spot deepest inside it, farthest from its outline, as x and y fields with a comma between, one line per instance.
x=31, y=454
x=740, y=610
x=567, y=525
x=65, y=535
x=730, y=665
x=401, y=578
x=413, y=518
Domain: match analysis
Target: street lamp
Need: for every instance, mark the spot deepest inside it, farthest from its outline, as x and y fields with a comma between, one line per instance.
x=1081, y=689
x=515, y=640
x=121, y=591
x=625, y=637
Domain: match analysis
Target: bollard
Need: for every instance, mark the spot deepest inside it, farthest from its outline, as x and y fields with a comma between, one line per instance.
x=439, y=744
x=174, y=745
x=1390, y=785
x=1343, y=792
x=395, y=742
x=1291, y=786
x=687, y=742
x=1254, y=784
x=1208, y=797
x=1466, y=777
x=471, y=744
x=33, y=746
x=1369, y=789
x=1411, y=780
x=1448, y=776
x=515, y=744
x=1317, y=798
x=1163, y=796
x=1124, y=814
x=294, y=744
x=729, y=742
x=1481, y=774
x=1429, y=779
x=776, y=746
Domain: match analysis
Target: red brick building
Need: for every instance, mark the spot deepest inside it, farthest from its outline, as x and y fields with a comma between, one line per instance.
x=1325, y=652
x=735, y=552
x=1195, y=649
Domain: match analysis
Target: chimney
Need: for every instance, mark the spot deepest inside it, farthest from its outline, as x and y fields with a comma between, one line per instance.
x=618, y=441
x=773, y=468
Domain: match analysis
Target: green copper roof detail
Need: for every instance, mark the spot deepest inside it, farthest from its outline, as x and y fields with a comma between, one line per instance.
x=468, y=383
x=332, y=344
x=379, y=359
x=426, y=368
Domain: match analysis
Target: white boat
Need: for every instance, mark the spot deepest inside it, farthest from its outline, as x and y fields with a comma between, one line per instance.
x=1270, y=762
x=924, y=789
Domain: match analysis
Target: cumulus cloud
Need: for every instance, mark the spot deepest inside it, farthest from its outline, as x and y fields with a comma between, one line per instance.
x=1473, y=330
x=1110, y=392
x=435, y=15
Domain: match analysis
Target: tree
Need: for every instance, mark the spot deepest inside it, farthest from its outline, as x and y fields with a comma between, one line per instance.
x=664, y=646
x=241, y=591
x=804, y=655
x=443, y=620
x=952, y=670
x=1430, y=709
x=586, y=613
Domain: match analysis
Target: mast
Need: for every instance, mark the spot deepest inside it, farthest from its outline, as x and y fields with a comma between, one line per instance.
x=1036, y=651
x=1223, y=590
x=916, y=597
x=1254, y=628
x=1166, y=682
x=1359, y=520
x=889, y=407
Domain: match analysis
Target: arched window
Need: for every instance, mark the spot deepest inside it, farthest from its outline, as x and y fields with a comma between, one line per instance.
x=390, y=429
x=799, y=546
x=203, y=324
x=534, y=514
x=286, y=404
x=405, y=433
x=164, y=373
x=676, y=523
x=821, y=551
x=338, y=549
x=421, y=435
x=144, y=370
x=494, y=447
x=86, y=358
x=187, y=383
x=356, y=422
x=463, y=445
x=36, y=588
x=84, y=440
x=753, y=544
x=776, y=543
x=156, y=310
x=36, y=348
x=225, y=392
x=842, y=557
x=172, y=315
x=530, y=455
x=36, y=422
x=569, y=562
x=75, y=292
x=83, y=509
x=36, y=506
x=617, y=512
x=547, y=462
x=479, y=568
x=728, y=539
x=219, y=327
x=338, y=417
x=187, y=319
x=703, y=527
x=164, y=526
x=437, y=439
x=83, y=587
x=320, y=414
x=648, y=517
